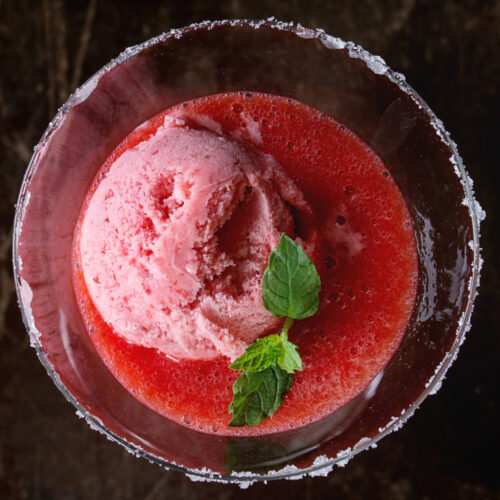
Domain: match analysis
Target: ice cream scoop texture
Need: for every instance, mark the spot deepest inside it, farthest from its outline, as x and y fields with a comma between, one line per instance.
x=176, y=236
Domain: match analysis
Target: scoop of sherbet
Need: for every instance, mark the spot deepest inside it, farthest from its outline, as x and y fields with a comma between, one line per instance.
x=176, y=236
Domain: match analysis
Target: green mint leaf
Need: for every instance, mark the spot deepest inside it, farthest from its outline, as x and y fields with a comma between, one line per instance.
x=291, y=283
x=260, y=355
x=258, y=395
x=290, y=359
x=269, y=351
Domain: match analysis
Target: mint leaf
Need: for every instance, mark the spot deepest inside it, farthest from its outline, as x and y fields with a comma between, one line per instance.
x=268, y=351
x=260, y=355
x=290, y=359
x=290, y=284
x=258, y=395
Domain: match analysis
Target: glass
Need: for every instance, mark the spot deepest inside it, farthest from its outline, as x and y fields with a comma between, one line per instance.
x=338, y=78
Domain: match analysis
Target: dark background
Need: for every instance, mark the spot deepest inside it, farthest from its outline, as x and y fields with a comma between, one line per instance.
x=449, y=52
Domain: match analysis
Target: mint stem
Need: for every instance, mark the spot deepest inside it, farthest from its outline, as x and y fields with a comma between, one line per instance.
x=286, y=327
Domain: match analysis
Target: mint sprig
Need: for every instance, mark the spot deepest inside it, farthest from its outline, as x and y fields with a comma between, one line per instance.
x=290, y=287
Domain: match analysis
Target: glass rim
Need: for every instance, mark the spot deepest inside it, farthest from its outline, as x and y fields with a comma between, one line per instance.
x=377, y=65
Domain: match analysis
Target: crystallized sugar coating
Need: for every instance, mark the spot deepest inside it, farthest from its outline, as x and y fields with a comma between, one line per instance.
x=176, y=237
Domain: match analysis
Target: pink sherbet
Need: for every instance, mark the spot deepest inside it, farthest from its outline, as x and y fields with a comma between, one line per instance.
x=176, y=237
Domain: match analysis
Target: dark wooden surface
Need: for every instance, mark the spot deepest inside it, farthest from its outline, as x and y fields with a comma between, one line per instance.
x=449, y=52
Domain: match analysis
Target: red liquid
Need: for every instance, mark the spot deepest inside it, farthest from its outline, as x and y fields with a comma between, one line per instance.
x=366, y=258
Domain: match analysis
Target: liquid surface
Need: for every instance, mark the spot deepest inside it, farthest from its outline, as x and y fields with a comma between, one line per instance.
x=365, y=253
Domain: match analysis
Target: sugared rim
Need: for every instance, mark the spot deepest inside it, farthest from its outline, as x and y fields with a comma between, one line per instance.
x=322, y=464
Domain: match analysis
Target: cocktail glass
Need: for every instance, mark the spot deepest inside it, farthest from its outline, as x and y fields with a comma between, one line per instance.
x=338, y=78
